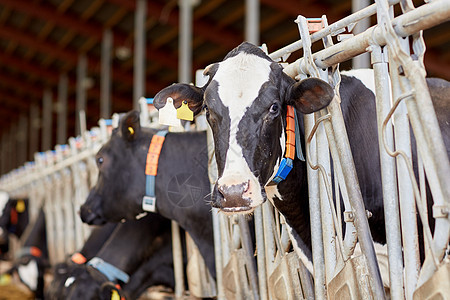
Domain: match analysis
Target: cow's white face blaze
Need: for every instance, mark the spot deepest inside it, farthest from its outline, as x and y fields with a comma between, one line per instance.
x=237, y=93
x=246, y=100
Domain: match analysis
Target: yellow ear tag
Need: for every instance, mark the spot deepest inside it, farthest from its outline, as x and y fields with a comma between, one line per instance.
x=20, y=206
x=115, y=295
x=5, y=279
x=184, y=112
x=168, y=114
x=131, y=130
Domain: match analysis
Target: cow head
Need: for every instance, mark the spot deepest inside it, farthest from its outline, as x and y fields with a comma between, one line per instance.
x=246, y=100
x=120, y=184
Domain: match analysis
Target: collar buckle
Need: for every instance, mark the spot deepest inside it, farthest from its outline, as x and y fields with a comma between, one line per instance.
x=149, y=203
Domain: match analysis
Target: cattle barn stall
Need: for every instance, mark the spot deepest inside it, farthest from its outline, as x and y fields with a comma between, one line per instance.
x=60, y=178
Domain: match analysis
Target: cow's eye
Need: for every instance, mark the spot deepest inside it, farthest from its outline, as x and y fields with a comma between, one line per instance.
x=99, y=161
x=274, y=108
x=205, y=107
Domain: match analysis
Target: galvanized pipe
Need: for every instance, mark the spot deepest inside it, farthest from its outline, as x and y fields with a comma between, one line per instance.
x=333, y=30
x=252, y=21
x=34, y=130
x=139, y=52
x=185, y=41
x=362, y=60
x=388, y=175
x=105, y=76
x=329, y=235
x=81, y=92
x=46, y=120
x=408, y=211
x=423, y=17
x=177, y=254
x=248, y=248
x=62, y=110
x=315, y=215
x=351, y=182
x=260, y=254
x=22, y=139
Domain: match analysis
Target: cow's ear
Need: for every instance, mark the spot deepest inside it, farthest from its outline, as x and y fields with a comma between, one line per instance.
x=130, y=126
x=309, y=95
x=180, y=92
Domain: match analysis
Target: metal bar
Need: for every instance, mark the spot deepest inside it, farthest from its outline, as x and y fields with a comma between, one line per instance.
x=22, y=138
x=185, y=42
x=261, y=254
x=246, y=242
x=81, y=91
x=423, y=17
x=177, y=261
x=252, y=21
x=34, y=130
x=46, y=120
x=315, y=214
x=362, y=60
x=139, y=52
x=333, y=29
x=355, y=197
x=62, y=110
x=408, y=211
x=388, y=175
x=329, y=236
x=105, y=77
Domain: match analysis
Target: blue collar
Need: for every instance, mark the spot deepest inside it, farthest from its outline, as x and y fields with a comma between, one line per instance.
x=151, y=169
x=107, y=269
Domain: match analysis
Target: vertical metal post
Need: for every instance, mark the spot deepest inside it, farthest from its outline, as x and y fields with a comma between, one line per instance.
x=47, y=120
x=315, y=214
x=362, y=60
x=261, y=254
x=35, y=124
x=406, y=197
x=177, y=260
x=185, y=42
x=252, y=21
x=81, y=91
x=388, y=175
x=62, y=110
x=139, y=52
x=105, y=77
x=22, y=139
x=13, y=146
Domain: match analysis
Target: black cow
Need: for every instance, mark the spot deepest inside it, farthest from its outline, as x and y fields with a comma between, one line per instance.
x=141, y=248
x=246, y=101
x=63, y=270
x=13, y=220
x=182, y=185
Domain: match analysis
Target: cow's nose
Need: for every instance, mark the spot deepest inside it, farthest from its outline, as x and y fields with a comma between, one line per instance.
x=233, y=194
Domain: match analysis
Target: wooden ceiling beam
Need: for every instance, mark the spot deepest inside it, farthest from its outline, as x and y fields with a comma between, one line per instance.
x=71, y=57
x=74, y=25
x=92, y=9
x=206, y=29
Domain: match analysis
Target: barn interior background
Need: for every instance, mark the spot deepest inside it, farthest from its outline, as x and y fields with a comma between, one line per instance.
x=58, y=57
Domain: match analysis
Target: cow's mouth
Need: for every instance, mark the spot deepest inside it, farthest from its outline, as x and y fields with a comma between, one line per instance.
x=238, y=210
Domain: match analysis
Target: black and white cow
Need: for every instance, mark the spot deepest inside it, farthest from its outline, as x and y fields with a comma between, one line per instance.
x=31, y=261
x=140, y=248
x=14, y=219
x=246, y=101
x=182, y=185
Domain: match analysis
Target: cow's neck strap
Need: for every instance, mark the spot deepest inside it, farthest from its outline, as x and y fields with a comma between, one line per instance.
x=111, y=272
x=33, y=251
x=78, y=258
x=292, y=135
x=151, y=169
